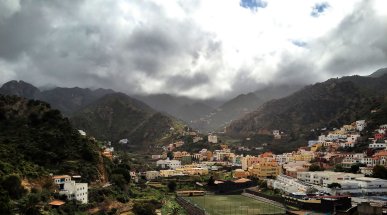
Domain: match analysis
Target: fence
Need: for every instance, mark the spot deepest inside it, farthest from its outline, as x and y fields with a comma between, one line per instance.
x=189, y=207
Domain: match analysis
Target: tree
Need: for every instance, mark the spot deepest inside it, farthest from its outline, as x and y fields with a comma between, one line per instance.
x=311, y=190
x=118, y=180
x=334, y=185
x=12, y=184
x=170, y=155
x=172, y=186
x=5, y=207
x=211, y=181
x=339, y=168
x=142, y=208
x=379, y=172
x=315, y=167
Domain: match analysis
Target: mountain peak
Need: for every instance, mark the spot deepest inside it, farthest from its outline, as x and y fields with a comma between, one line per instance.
x=19, y=88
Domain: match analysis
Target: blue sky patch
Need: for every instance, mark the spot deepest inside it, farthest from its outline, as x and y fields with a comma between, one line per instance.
x=319, y=8
x=299, y=43
x=253, y=4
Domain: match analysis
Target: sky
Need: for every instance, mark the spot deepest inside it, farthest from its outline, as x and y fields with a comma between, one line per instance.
x=198, y=48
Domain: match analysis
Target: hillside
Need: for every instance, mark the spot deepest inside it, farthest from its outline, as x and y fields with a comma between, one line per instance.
x=328, y=104
x=36, y=140
x=118, y=116
x=67, y=100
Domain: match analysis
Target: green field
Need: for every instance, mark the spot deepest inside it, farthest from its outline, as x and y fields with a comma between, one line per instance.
x=233, y=204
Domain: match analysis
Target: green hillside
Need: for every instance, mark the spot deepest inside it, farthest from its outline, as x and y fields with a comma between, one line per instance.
x=322, y=105
x=36, y=140
x=118, y=116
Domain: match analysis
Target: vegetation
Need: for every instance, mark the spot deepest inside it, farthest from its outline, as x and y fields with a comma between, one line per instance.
x=322, y=105
x=117, y=116
x=379, y=172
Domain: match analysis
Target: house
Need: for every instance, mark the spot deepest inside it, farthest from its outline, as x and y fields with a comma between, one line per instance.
x=171, y=164
x=360, y=125
x=82, y=133
x=379, y=136
x=376, y=145
x=265, y=169
x=276, y=134
x=151, y=175
x=212, y=138
x=240, y=173
x=197, y=139
x=61, y=180
x=77, y=191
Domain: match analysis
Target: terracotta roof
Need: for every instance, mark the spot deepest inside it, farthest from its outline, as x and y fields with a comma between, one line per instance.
x=381, y=153
x=60, y=176
x=242, y=180
x=57, y=203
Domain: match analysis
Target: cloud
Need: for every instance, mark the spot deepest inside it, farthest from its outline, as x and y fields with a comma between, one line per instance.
x=196, y=49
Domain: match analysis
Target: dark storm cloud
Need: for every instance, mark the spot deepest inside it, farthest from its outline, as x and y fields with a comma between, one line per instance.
x=150, y=49
x=185, y=82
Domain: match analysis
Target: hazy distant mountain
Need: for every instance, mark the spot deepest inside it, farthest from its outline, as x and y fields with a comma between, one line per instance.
x=241, y=105
x=69, y=100
x=193, y=111
x=118, y=116
x=379, y=73
x=276, y=91
x=181, y=107
x=20, y=88
x=328, y=104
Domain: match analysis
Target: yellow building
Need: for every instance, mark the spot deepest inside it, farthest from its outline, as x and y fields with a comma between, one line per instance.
x=265, y=169
x=169, y=173
x=240, y=173
x=315, y=147
x=193, y=170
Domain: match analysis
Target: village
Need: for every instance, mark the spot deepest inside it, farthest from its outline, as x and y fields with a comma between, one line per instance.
x=325, y=168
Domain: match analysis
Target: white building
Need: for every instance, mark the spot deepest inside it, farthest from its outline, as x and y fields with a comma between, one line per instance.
x=377, y=145
x=363, y=186
x=360, y=125
x=123, y=141
x=288, y=184
x=82, y=133
x=78, y=191
x=212, y=138
x=61, y=180
x=171, y=164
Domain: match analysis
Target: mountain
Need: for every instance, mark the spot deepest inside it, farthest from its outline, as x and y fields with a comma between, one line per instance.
x=271, y=92
x=70, y=100
x=20, y=88
x=378, y=73
x=36, y=140
x=328, y=104
x=67, y=100
x=180, y=107
x=190, y=112
x=117, y=116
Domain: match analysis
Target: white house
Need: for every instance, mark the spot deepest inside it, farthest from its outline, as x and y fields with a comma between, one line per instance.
x=360, y=125
x=61, y=180
x=377, y=145
x=171, y=164
x=212, y=138
x=78, y=191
